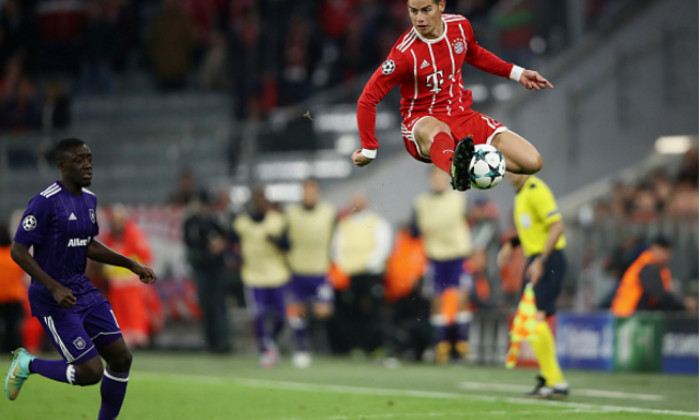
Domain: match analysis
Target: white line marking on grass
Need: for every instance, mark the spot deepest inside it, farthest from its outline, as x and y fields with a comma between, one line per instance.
x=360, y=390
x=480, y=386
x=444, y=414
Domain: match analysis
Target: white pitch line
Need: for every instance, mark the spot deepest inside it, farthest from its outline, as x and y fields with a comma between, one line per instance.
x=360, y=390
x=443, y=414
x=479, y=386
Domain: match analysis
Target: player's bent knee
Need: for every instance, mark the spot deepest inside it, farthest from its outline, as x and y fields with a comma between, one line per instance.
x=90, y=372
x=121, y=362
x=532, y=164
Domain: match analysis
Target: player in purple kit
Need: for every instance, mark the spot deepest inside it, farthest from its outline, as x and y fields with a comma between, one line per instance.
x=60, y=224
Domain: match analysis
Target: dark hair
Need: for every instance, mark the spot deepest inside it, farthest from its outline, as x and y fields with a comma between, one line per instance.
x=661, y=241
x=65, y=145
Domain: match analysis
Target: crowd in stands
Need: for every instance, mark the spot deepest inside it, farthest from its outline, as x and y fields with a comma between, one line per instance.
x=663, y=194
x=266, y=53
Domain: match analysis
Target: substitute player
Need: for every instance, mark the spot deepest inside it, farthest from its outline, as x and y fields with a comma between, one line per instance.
x=263, y=244
x=440, y=218
x=61, y=226
x=541, y=236
x=310, y=226
x=426, y=64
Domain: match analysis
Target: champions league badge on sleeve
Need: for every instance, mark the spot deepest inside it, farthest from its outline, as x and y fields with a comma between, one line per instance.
x=29, y=223
x=388, y=67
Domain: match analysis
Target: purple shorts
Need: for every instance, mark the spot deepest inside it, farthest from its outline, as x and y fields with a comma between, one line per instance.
x=78, y=335
x=265, y=299
x=443, y=275
x=310, y=288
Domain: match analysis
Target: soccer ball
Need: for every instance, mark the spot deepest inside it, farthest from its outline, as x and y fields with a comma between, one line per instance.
x=487, y=167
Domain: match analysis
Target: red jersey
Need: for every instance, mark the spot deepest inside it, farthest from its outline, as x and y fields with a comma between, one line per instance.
x=429, y=75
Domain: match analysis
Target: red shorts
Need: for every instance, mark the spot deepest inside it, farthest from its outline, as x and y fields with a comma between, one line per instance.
x=468, y=123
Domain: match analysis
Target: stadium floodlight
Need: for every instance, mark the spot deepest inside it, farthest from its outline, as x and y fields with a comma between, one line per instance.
x=669, y=145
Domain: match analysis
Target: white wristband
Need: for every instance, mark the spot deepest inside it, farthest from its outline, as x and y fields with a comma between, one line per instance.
x=515, y=73
x=369, y=153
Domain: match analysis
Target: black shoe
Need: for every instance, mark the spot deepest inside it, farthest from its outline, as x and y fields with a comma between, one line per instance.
x=541, y=391
x=461, y=161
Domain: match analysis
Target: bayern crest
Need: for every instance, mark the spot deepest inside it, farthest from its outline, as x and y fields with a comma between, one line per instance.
x=458, y=46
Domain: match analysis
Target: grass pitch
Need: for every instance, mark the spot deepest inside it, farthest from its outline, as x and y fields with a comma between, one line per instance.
x=198, y=386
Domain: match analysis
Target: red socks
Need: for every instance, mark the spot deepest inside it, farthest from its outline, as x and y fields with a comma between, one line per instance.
x=441, y=151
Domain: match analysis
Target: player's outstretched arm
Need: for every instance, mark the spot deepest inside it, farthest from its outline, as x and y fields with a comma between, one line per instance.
x=99, y=252
x=63, y=295
x=533, y=80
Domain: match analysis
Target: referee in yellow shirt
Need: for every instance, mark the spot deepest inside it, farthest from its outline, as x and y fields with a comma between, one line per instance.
x=541, y=235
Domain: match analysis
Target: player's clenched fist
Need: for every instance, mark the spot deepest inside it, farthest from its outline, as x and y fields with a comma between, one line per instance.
x=359, y=159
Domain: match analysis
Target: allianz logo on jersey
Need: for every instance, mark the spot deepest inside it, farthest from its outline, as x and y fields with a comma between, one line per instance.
x=74, y=242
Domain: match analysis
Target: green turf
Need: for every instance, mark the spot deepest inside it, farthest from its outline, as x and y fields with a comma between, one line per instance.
x=197, y=386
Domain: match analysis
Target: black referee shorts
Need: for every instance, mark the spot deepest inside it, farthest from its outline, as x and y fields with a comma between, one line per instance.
x=548, y=287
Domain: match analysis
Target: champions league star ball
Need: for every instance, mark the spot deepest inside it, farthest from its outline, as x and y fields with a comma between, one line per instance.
x=487, y=167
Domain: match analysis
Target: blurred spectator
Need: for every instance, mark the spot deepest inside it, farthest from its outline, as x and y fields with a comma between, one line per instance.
x=99, y=39
x=483, y=216
x=19, y=32
x=56, y=112
x=301, y=53
x=643, y=205
x=661, y=189
x=618, y=262
x=185, y=190
x=61, y=24
x=213, y=70
x=170, y=44
x=130, y=298
x=205, y=241
x=647, y=284
x=689, y=167
x=410, y=330
x=12, y=292
x=684, y=201
x=21, y=110
x=361, y=246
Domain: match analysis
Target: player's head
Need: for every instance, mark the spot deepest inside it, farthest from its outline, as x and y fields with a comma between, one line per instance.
x=118, y=219
x=258, y=199
x=426, y=16
x=310, y=192
x=74, y=159
x=358, y=202
x=661, y=248
x=439, y=180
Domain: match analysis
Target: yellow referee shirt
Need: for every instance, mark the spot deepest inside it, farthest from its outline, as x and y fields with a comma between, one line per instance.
x=535, y=210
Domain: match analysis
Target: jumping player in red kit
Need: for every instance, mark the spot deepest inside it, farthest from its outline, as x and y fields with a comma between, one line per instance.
x=426, y=64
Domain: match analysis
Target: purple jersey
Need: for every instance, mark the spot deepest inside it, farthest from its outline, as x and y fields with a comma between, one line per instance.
x=60, y=225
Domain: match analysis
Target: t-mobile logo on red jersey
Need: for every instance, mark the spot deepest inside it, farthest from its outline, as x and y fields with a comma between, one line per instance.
x=434, y=81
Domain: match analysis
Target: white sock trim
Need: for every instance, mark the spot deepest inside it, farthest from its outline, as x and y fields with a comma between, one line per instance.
x=463, y=317
x=438, y=320
x=70, y=374
x=115, y=378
